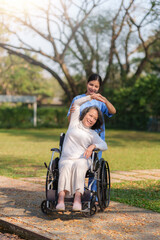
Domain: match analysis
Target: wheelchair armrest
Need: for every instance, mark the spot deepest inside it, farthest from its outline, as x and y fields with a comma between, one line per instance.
x=55, y=150
x=96, y=150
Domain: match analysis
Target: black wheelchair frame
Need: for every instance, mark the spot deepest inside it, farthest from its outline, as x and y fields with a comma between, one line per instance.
x=99, y=172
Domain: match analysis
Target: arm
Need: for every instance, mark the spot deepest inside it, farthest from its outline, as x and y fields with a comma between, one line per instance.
x=97, y=143
x=74, y=118
x=71, y=109
x=99, y=97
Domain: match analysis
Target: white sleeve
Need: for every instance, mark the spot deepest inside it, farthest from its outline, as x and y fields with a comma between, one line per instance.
x=75, y=115
x=98, y=142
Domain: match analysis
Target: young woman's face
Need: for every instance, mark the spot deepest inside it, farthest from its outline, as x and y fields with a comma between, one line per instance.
x=90, y=118
x=93, y=87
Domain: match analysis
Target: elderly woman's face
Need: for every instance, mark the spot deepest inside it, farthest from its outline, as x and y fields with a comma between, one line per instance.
x=90, y=118
x=93, y=87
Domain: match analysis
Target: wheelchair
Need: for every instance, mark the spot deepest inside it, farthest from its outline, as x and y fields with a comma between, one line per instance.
x=99, y=172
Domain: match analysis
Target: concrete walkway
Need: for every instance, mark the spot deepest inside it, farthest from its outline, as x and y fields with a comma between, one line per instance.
x=135, y=175
x=20, y=211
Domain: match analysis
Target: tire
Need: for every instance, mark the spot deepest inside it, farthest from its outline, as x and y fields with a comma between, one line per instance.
x=103, y=185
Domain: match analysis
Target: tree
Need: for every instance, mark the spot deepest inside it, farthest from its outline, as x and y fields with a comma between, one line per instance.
x=66, y=29
x=17, y=77
x=56, y=19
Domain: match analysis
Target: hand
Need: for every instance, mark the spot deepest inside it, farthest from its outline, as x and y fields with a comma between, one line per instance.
x=98, y=97
x=89, y=151
x=72, y=109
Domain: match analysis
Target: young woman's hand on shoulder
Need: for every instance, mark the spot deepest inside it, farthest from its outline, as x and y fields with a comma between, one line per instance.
x=99, y=97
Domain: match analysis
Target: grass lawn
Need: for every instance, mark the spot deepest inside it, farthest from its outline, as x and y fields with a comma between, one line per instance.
x=144, y=194
x=23, y=152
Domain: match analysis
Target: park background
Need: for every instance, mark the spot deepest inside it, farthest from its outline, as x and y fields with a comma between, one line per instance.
x=48, y=49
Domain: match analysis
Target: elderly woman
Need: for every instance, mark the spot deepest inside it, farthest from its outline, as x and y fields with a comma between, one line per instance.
x=79, y=142
x=94, y=83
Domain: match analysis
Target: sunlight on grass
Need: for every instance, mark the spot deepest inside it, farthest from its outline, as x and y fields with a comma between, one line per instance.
x=129, y=150
x=144, y=194
x=23, y=152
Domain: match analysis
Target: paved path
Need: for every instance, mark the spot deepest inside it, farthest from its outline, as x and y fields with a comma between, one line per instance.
x=118, y=176
x=135, y=175
x=20, y=211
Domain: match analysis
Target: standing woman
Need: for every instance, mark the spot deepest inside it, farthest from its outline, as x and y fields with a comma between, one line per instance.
x=93, y=86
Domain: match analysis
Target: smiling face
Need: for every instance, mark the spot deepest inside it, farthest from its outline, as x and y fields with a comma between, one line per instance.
x=90, y=118
x=93, y=87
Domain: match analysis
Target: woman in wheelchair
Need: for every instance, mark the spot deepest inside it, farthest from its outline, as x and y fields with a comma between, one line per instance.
x=75, y=160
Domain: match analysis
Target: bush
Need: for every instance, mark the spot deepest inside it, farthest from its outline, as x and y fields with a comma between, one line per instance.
x=22, y=117
x=15, y=117
x=135, y=104
x=52, y=117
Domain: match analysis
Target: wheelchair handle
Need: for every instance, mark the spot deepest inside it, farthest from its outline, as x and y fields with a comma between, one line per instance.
x=55, y=150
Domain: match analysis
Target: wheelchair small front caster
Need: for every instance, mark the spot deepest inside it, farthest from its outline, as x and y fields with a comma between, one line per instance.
x=46, y=207
x=89, y=212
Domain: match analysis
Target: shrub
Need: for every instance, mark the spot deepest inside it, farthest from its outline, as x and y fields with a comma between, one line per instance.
x=22, y=117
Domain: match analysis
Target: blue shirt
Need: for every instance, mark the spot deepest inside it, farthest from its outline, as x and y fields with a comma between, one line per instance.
x=103, y=108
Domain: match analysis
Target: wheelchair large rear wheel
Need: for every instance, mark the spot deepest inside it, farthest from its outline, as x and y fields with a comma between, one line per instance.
x=103, y=185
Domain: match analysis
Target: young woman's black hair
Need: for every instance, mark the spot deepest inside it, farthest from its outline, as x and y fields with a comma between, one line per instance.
x=94, y=77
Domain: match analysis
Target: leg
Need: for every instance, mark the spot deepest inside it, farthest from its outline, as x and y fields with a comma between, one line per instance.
x=77, y=206
x=60, y=205
x=64, y=181
x=79, y=170
x=78, y=173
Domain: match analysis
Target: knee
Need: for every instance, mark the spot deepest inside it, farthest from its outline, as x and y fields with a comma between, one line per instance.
x=65, y=167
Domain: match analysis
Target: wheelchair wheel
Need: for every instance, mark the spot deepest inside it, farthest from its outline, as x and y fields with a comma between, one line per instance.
x=91, y=212
x=103, y=185
x=44, y=207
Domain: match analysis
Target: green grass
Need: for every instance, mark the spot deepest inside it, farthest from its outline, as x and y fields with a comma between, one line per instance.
x=130, y=150
x=144, y=194
x=23, y=152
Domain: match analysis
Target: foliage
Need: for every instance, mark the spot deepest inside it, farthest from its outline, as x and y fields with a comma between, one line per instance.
x=22, y=117
x=82, y=38
x=135, y=105
x=17, y=77
x=52, y=117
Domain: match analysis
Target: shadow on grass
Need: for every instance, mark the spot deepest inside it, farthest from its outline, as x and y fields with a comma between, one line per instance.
x=35, y=134
x=135, y=136
x=19, y=167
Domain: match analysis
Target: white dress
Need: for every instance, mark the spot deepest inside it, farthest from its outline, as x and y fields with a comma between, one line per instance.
x=72, y=165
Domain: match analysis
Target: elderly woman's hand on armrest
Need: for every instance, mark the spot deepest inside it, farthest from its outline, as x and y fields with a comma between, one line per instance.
x=89, y=151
